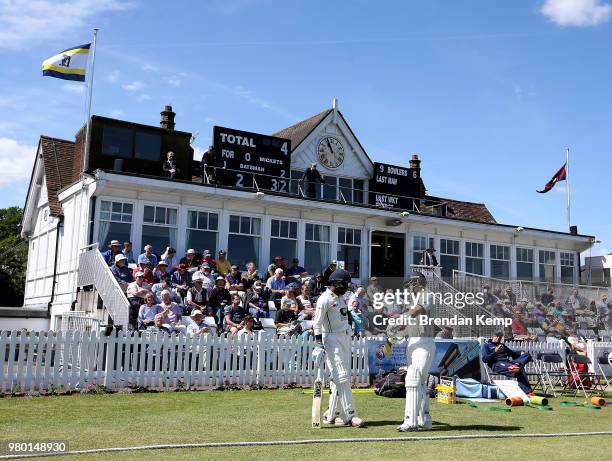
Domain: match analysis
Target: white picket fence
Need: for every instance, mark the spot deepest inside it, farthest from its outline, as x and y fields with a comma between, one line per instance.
x=64, y=361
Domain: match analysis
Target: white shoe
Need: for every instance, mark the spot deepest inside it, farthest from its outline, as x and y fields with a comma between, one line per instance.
x=406, y=427
x=426, y=423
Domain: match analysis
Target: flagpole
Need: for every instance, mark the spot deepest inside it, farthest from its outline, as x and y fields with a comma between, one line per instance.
x=89, y=96
x=567, y=179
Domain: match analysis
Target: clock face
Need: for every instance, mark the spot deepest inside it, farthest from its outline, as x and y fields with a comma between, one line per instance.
x=330, y=152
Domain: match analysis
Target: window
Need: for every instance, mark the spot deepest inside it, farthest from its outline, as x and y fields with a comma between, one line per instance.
x=117, y=142
x=244, y=240
x=474, y=258
x=500, y=262
x=567, y=267
x=419, y=245
x=202, y=228
x=524, y=264
x=330, y=188
x=449, y=257
x=350, y=190
x=296, y=177
x=547, y=263
x=317, y=248
x=148, y=146
x=159, y=228
x=283, y=239
x=115, y=222
x=349, y=249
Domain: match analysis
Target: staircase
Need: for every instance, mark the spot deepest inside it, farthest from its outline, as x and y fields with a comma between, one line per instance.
x=93, y=271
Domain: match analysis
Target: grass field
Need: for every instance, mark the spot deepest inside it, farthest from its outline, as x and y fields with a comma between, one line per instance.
x=107, y=420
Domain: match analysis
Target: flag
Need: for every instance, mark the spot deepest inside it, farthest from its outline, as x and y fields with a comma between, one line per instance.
x=560, y=175
x=69, y=64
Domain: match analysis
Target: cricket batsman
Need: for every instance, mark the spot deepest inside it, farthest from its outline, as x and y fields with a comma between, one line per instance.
x=420, y=350
x=333, y=337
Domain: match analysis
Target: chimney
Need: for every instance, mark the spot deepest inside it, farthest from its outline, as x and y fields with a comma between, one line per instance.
x=414, y=162
x=167, y=118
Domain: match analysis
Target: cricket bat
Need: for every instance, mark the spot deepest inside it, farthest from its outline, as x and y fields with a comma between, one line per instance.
x=317, y=396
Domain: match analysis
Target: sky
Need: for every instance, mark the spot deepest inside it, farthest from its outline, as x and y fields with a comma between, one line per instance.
x=489, y=94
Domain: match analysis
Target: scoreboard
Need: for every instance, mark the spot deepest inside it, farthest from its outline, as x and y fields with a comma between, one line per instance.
x=394, y=186
x=244, y=158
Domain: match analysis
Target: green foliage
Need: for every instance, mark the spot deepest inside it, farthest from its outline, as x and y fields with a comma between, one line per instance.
x=13, y=257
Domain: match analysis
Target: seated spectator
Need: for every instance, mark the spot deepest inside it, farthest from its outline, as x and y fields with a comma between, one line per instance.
x=290, y=300
x=208, y=259
x=148, y=255
x=158, y=325
x=578, y=347
x=208, y=280
x=285, y=317
x=234, y=315
x=250, y=275
x=358, y=296
x=233, y=280
x=576, y=301
x=114, y=250
x=254, y=302
x=223, y=265
x=172, y=314
x=359, y=320
x=165, y=284
x=128, y=253
x=145, y=268
x=328, y=271
x=548, y=297
x=136, y=292
x=277, y=263
x=247, y=326
x=218, y=299
x=518, y=327
x=488, y=297
x=296, y=269
x=161, y=271
x=122, y=273
x=169, y=256
x=147, y=312
x=181, y=280
x=197, y=327
x=169, y=167
x=276, y=285
x=511, y=296
x=190, y=260
x=503, y=360
x=557, y=310
x=315, y=287
x=306, y=309
x=197, y=296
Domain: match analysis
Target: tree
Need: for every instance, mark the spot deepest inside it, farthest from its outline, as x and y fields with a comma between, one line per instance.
x=13, y=257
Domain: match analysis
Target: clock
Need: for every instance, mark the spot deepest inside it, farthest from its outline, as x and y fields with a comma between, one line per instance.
x=330, y=152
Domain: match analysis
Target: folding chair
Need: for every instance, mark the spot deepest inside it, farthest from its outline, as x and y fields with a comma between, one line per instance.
x=576, y=380
x=551, y=371
x=602, y=360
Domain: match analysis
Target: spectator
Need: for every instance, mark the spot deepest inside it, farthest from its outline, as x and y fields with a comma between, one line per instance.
x=575, y=301
x=223, y=265
x=518, y=327
x=169, y=256
x=197, y=327
x=445, y=333
x=306, y=309
x=233, y=280
x=488, y=297
x=172, y=314
x=557, y=310
x=310, y=178
x=114, y=249
x=165, y=284
x=129, y=254
x=218, y=299
x=503, y=360
x=181, y=280
x=209, y=166
x=250, y=275
x=316, y=287
x=358, y=296
x=169, y=167
x=276, y=284
x=196, y=296
x=603, y=311
x=161, y=271
x=285, y=317
x=136, y=292
x=148, y=255
x=548, y=297
x=330, y=269
x=510, y=295
x=145, y=268
x=296, y=269
x=122, y=273
x=429, y=258
x=254, y=302
x=359, y=320
x=277, y=263
x=208, y=259
x=290, y=300
x=234, y=315
x=158, y=325
x=190, y=260
x=147, y=312
x=247, y=326
x=208, y=280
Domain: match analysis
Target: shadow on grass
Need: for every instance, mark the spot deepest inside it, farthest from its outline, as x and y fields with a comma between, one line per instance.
x=444, y=427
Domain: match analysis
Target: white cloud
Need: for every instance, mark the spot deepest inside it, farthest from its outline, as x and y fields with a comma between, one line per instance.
x=143, y=97
x=16, y=161
x=116, y=113
x=174, y=81
x=113, y=77
x=75, y=88
x=136, y=85
x=578, y=13
x=149, y=68
x=25, y=22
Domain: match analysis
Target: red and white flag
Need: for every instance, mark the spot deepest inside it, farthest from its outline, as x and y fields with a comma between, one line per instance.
x=560, y=175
